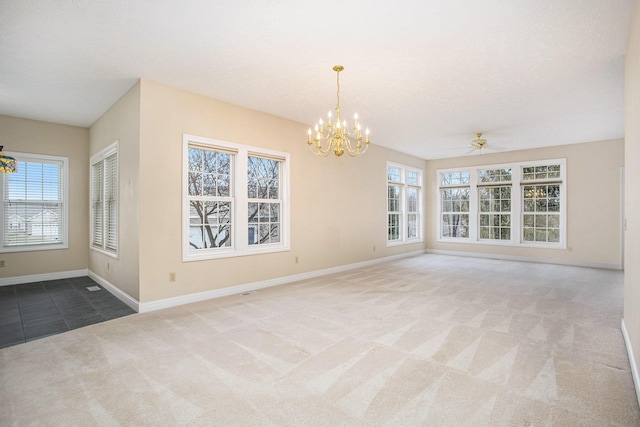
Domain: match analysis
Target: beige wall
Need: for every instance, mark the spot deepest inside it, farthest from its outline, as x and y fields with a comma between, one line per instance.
x=121, y=123
x=593, y=203
x=338, y=206
x=29, y=136
x=632, y=190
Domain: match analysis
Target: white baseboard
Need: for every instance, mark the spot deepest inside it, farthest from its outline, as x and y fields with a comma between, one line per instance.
x=233, y=290
x=8, y=281
x=527, y=259
x=632, y=361
x=117, y=292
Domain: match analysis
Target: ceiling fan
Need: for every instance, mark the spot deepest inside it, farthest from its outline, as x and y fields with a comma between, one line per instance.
x=480, y=144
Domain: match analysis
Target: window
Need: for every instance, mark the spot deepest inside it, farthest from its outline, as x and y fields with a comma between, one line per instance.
x=263, y=192
x=210, y=202
x=484, y=204
x=494, y=195
x=34, y=204
x=454, y=204
x=235, y=199
x=104, y=200
x=541, y=191
x=404, y=196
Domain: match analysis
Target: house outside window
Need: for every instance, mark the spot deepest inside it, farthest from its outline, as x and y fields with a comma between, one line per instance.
x=519, y=204
x=404, y=200
x=34, y=204
x=235, y=199
x=104, y=201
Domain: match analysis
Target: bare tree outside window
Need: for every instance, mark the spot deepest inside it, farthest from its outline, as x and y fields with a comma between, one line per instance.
x=263, y=192
x=455, y=212
x=210, y=198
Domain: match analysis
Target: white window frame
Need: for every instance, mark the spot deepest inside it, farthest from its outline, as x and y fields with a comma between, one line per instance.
x=239, y=216
x=403, y=211
x=516, y=205
x=493, y=185
x=101, y=158
x=38, y=158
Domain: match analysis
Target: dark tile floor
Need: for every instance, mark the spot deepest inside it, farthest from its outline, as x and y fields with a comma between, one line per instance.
x=36, y=310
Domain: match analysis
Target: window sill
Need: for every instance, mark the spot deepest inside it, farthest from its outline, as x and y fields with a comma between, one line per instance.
x=103, y=252
x=511, y=243
x=231, y=253
x=33, y=248
x=404, y=242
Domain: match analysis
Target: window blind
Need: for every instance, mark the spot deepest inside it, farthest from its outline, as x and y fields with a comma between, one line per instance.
x=96, y=204
x=104, y=200
x=33, y=204
x=111, y=202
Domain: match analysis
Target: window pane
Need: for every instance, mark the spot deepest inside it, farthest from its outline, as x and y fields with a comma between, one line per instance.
x=275, y=212
x=275, y=234
x=223, y=186
x=196, y=212
x=195, y=237
x=412, y=226
x=195, y=184
x=208, y=184
x=224, y=236
x=455, y=178
x=394, y=227
x=252, y=187
x=253, y=212
x=393, y=174
x=494, y=175
x=413, y=178
x=528, y=234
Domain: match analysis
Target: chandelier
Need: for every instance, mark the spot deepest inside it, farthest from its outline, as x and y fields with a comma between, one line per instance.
x=337, y=136
x=7, y=163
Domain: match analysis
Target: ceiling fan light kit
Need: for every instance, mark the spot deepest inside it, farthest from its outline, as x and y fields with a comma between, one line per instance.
x=479, y=143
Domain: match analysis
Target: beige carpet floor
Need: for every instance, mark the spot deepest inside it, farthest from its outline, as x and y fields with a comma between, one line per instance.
x=430, y=340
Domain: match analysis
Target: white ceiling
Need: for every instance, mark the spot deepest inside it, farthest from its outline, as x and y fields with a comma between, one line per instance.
x=423, y=75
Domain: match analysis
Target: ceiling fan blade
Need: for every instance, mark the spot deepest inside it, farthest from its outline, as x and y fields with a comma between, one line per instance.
x=493, y=148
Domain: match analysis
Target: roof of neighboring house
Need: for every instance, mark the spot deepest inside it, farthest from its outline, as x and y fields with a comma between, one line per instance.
x=45, y=211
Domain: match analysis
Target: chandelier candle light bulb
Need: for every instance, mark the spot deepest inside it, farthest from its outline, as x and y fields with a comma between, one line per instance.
x=7, y=163
x=337, y=138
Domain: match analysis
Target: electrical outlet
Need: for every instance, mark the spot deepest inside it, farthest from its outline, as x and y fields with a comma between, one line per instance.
x=2, y=264
x=296, y=260
x=172, y=277
x=374, y=248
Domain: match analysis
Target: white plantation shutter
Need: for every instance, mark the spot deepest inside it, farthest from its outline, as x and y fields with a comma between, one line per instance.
x=33, y=204
x=96, y=204
x=111, y=202
x=104, y=200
